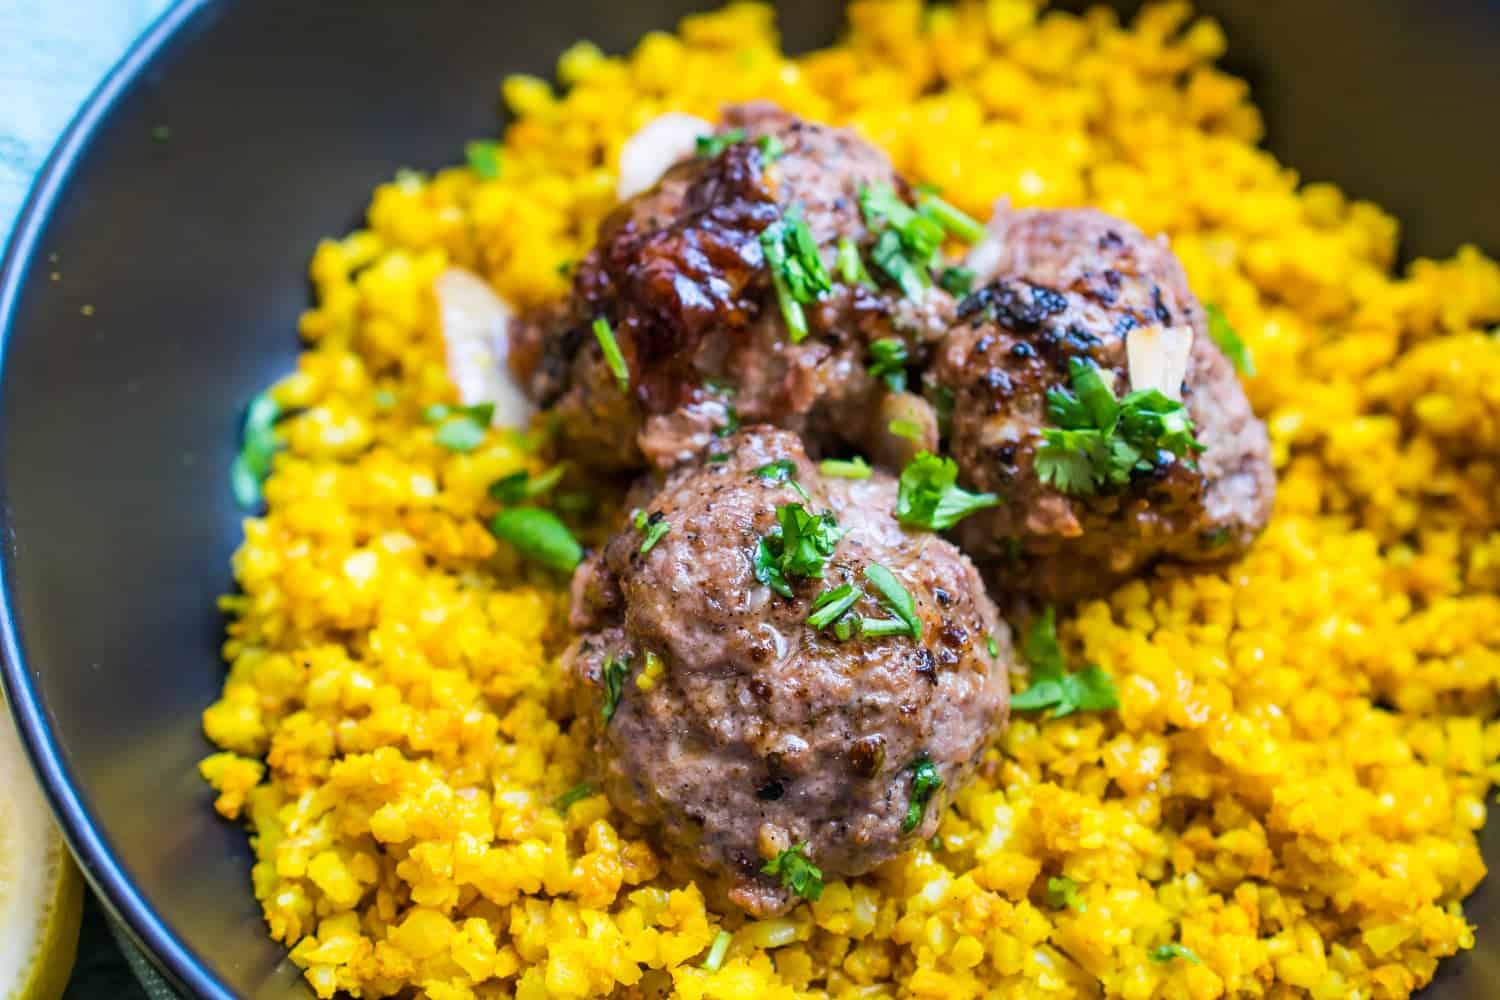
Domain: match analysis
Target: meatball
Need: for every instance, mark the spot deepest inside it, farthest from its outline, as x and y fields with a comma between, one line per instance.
x=680, y=274
x=1078, y=284
x=736, y=728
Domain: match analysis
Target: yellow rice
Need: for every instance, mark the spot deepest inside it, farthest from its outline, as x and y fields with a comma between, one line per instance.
x=1293, y=782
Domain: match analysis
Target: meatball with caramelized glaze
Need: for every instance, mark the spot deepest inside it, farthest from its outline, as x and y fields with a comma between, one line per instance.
x=1079, y=285
x=735, y=727
x=681, y=277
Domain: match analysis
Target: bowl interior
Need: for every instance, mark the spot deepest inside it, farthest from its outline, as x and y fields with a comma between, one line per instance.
x=180, y=278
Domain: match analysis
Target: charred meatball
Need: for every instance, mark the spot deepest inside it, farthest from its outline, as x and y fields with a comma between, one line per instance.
x=682, y=280
x=741, y=722
x=1077, y=287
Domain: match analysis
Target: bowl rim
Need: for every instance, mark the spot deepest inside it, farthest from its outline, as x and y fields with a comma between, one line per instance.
x=113, y=886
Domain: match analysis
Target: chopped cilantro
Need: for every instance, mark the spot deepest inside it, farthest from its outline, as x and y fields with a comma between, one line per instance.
x=799, y=546
x=924, y=781
x=1228, y=340
x=796, y=872
x=654, y=527
x=888, y=358
x=831, y=605
x=731, y=422
x=1052, y=686
x=992, y=646
x=929, y=495
x=718, y=457
x=613, y=675
x=1099, y=441
x=605, y=334
x=713, y=145
x=797, y=272
x=484, y=158
x=851, y=269
x=853, y=468
x=895, y=597
x=889, y=255
x=771, y=148
x=539, y=536
x=577, y=793
x=717, y=951
x=522, y=485
x=956, y=280
x=1062, y=893
x=1170, y=950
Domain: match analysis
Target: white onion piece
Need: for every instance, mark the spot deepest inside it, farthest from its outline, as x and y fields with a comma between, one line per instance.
x=476, y=331
x=1158, y=358
x=651, y=152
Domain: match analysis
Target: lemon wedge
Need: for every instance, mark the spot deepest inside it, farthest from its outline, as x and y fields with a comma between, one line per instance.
x=41, y=892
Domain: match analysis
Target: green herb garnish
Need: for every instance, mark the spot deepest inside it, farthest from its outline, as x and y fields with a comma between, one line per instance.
x=896, y=598
x=613, y=674
x=771, y=148
x=1229, y=340
x=783, y=470
x=522, y=485
x=890, y=256
x=713, y=145
x=1170, y=950
x=717, y=951
x=956, y=280
x=888, y=358
x=1062, y=894
x=1099, y=441
x=796, y=872
x=851, y=269
x=904, y=428
x=852, y=468
x=1052, y=686
x=799, y=546
x=797, y=272
x=929, y=496
x=605, y=334
x=924, y=781
x=956, y=221
x=539, y=536
x=484, y=158
x=992, y=646
x=831, y=605
x=258, y=442
x=718, y=457
x=577, y=793
x=654, y=527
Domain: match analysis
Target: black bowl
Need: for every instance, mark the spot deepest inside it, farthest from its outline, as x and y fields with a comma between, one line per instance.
x=117, y=423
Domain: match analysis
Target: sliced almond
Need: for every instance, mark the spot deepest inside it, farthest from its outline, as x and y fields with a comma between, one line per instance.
x=1158, y=358
x=476, y=333
x=651, y=151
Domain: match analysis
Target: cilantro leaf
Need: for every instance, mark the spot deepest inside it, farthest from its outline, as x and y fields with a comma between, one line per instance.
x=1229, y=340
x=796, y=872
x=929, y=496
x=924, y=781
x=799, y=546
x=955, y=280
x=797, y=271
x=1051, y=686
x=653, y=526
x=782, y=470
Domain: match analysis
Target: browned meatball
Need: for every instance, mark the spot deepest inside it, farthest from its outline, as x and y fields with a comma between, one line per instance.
x=740, y=730
x=1075, y=284
x=681, y=276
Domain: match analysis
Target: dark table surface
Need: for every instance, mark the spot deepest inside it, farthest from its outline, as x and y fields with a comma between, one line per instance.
x=101, y=972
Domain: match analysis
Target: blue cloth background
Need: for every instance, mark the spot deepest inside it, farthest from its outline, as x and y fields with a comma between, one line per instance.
x=52, y=54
